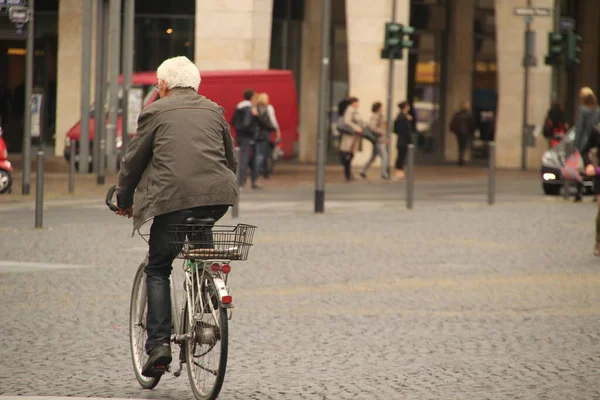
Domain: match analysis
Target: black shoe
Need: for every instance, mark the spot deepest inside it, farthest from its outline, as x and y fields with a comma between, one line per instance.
x=158, y=361
x=363, y=175
x=578, y=198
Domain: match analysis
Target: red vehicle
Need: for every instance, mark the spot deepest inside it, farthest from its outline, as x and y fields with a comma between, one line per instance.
x=5, y=167
x=226, y=88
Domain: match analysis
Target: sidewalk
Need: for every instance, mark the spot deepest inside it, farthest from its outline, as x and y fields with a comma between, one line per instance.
x=288, y=174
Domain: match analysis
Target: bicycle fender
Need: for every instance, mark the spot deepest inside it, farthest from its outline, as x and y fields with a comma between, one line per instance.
x=222, y=290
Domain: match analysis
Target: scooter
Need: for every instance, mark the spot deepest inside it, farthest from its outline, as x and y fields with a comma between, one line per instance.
x=5, y=167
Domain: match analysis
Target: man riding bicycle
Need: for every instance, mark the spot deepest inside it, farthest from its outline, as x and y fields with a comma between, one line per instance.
x=180, y=164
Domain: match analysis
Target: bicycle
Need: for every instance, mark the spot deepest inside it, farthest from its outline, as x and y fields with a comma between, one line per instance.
x=200, y=326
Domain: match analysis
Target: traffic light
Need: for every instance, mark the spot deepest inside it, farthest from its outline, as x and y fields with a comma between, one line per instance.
x=392, y=40
x=396, y=38
x=573, y=49
x=556, y=47
x=407, y=42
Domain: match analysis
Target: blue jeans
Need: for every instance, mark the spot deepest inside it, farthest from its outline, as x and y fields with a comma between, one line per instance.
x=247, y=145
x=261, y=152
x=160, y=257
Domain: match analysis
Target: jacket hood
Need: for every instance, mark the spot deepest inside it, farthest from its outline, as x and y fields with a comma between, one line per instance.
x=244, y=104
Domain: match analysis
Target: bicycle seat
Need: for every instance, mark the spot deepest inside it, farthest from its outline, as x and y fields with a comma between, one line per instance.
x=203, y=221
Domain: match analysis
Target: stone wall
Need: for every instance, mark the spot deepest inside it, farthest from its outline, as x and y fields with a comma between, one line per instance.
x=510, y=48
x=233, y=34
x=68, y=90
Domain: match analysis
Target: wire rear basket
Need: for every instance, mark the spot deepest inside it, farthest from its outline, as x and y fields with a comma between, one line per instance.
x=218, y=242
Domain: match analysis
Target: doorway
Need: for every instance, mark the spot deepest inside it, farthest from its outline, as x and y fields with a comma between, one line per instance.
x=426, y=77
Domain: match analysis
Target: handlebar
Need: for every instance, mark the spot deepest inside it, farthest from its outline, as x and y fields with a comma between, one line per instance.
x=109, y=198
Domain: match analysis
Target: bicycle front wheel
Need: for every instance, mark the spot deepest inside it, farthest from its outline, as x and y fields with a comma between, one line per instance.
x=206, y=351
x=138, y=310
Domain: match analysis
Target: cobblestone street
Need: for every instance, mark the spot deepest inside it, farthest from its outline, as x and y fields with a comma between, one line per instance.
x=452, y=300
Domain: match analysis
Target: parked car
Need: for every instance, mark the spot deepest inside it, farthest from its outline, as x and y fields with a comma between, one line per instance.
x=553, y=160
x=225, y=88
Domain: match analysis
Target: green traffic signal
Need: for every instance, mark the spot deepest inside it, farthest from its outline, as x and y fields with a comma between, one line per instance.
x=395, y=41
x=573, y=49
x=556, y=47
x=408, y=30
x=393, y=34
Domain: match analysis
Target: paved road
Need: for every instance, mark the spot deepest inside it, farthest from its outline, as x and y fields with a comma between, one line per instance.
x=453, y=300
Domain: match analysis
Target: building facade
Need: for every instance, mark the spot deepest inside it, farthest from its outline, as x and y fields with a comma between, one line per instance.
x=465, y=51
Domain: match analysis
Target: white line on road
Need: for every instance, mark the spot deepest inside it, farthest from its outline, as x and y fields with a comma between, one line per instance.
x=23, y=266
x=62, y=398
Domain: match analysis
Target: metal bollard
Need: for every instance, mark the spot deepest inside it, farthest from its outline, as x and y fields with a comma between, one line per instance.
x=72, y=168
x=39, y=190
x=235, y=210
x=410, y=176
x=492, y=173
x=566, y=189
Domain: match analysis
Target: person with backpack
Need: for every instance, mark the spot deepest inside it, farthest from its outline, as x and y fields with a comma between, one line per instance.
x=463, y=127
x=247, y=127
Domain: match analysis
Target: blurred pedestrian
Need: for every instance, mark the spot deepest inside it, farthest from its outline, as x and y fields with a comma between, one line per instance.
x=555, y=126
x=593, y=142
x=352, y=129
x=377, y=127
x=245, y=122
x=402, y=128
x=265, y=107
x=343, y=104
x=463, y=127
x=261, y=140
x=588, y=116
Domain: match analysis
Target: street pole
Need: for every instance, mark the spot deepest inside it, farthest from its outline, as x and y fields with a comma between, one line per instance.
x=100, y=77
x=285, y=35
x=390, y=87
x=323, y=105
x=128, y=39
x=492, y=173
x=86, y=65
x=557, y=13
x=235, y=210
x=39, y=177
x=526, y=64
x=72, y=168
x=113, y=90
x=26, y=188
x=39, y=191
x=410, y=177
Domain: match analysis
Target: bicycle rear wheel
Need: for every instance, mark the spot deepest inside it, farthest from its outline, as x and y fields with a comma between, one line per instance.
x=206, y=351
x=138, y=310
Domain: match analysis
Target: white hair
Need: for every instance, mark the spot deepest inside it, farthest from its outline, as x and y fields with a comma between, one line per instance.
x=179, y=72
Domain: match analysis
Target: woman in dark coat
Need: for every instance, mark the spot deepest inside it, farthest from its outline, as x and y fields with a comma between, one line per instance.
x=588, y=116
x=593, y=142
x=402, y=128
x=462, y=126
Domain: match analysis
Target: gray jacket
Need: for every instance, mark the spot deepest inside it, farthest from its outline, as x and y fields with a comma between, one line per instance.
x=586, y=119
x=181, y=157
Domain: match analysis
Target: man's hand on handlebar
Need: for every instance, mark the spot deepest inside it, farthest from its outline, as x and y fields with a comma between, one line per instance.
x=113, y=206
x=127, y=212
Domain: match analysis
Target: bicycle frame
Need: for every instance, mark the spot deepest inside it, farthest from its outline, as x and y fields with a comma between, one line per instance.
x=191, y=269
